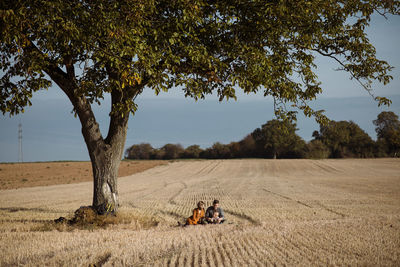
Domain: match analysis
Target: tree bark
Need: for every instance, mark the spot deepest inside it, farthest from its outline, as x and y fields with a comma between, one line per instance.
x=105, y=154
x=105, y=165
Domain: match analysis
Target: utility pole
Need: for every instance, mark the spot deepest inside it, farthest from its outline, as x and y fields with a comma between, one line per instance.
x=20, y=155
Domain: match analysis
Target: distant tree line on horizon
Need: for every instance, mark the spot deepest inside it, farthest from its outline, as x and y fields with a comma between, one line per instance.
x=278, y=139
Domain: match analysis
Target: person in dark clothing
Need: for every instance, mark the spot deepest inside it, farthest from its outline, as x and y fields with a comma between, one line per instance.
x=219, y=216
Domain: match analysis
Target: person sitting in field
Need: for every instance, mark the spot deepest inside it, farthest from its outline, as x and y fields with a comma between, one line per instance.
x=215, y=214
x=198, y=215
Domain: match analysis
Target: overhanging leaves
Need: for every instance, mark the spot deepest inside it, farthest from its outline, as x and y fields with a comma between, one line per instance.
x=90, y=48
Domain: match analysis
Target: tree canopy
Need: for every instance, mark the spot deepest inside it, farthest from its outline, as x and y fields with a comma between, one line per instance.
x=140, y=151
x=346, y=139
x=90, y=48
x=278, y=139
x=388, y=131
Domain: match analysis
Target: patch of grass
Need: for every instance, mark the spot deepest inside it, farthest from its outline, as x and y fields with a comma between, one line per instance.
x=24, y=180
x=86, y=218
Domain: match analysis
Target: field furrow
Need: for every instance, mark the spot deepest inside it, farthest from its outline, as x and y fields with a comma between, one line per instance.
x=279, y=212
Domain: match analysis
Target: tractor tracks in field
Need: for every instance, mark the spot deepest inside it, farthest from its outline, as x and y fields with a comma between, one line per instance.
x=331, y=210
x=243, y=216
x=326, y=167
x=209, y=168
x=174, y=196
x=320, y=205
x=288, y=198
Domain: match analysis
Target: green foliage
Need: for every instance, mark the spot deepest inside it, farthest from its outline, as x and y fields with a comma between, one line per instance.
x=381, y=148
x=278, y=139
x=172, y=151
x=346, y=139
x=247, y=147
x=388, y=132
x=217, y=151
x=168, y=151
x=141, y=151
x=315, y=149
x=192, y=152
x=90, y=48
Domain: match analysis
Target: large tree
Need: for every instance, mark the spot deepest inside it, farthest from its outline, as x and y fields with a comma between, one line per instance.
x=278, y=139
x=93, y=48
x=140, y=151
x=345, y=139
x=388, y=132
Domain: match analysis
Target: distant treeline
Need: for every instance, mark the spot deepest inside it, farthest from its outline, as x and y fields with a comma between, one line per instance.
x=278, y=139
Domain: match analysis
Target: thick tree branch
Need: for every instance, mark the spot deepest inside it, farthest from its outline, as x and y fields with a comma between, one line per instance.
x=90, y=128
x=56, y=74
x=69, y=65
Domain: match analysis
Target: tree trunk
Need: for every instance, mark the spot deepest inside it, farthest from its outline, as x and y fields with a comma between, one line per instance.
x=105, y=155
x=105, y=165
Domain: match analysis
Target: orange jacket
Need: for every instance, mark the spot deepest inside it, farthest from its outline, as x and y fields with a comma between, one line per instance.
x=197, y=215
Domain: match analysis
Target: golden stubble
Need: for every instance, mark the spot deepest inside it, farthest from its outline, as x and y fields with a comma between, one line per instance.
x=283, y=212
x=21, y=175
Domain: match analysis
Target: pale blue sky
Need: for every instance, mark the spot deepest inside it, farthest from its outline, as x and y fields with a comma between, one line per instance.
x=50, y=131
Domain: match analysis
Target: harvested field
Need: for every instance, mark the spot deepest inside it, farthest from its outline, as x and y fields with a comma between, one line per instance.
x=280, y=212
x=18, y=175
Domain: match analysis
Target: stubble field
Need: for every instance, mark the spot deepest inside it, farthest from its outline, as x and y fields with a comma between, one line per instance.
x=18, y=175
x=280, y=212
